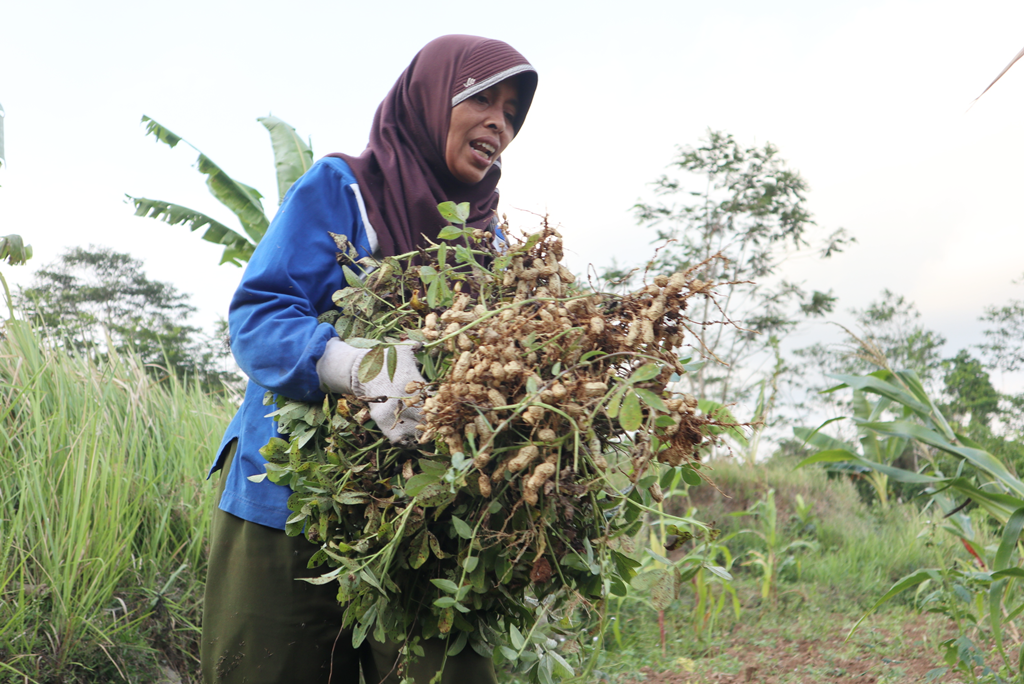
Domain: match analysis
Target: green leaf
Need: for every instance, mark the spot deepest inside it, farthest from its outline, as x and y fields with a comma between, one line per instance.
x=690, y=476
x=372, y=364
x=562, y=668
x=462, y=211
x=237, y=248
x=470, y=563
x=275, y=446
x=652, y=400
x=646, y=372
x=450, y=233
x=460, y=643
x=419, y=550
x=433, y=293
x=462, y=528
x=544, y=670
x=351, y=278
x=417, y=483
x=292, y=156
x=445, y=602
x=362, y=342
x=517, y=637
x=1009, y=541
x=615, y=401
x=694, y=366
x=392, y=354
x=447, y=586
x=450, y=212
x=630, y=416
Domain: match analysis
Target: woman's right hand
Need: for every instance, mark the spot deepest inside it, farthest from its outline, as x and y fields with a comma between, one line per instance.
x=338, y=369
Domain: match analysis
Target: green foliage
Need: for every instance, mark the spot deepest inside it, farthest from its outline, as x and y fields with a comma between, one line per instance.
x=982, y=479
x=99, y=301
x=103, y=517
x=1004, y=346
x=751, y=209
x=292, y=158
x=974, y=401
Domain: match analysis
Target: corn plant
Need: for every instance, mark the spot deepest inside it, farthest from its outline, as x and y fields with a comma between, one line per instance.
x=987, y=589
x=778, y=555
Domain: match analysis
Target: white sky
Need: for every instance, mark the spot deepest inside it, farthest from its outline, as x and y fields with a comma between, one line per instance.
x=868, y=100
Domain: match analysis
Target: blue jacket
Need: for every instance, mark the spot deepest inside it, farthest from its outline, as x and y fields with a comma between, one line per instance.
x=275, y=336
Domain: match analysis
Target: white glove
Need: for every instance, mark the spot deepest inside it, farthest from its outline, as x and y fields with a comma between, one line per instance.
x=338, y=369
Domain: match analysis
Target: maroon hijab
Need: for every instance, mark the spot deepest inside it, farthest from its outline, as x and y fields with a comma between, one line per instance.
x=402, y=173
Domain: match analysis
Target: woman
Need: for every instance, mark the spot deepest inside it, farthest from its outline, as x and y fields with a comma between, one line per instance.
x=437, y=136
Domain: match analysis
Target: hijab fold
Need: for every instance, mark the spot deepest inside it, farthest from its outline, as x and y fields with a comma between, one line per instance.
x=402, y=173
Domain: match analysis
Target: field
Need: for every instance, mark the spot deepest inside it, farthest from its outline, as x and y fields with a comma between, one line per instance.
x=104, y=509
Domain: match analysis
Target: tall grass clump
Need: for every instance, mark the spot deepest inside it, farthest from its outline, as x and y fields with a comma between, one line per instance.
x=103, y=515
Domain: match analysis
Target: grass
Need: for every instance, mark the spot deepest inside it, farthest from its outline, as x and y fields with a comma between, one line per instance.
x=103, y=515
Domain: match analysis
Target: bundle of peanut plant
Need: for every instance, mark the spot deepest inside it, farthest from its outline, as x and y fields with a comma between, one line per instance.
x=547, y=426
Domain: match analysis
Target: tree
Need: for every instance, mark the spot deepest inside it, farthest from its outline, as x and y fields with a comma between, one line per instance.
x=1004, y=346
x=889, y=336
x=292, y=158
x=973, y=399
x=98, y=301
x=744, y=204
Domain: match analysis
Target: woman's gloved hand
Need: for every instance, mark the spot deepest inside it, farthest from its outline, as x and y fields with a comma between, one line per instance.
x=338, y=369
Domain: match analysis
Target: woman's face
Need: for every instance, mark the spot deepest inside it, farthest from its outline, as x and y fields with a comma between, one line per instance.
x=481, y=128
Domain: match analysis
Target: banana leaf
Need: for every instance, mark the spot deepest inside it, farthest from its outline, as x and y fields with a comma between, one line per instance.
x=292, y=156
x=241, y=199
x=237, y=248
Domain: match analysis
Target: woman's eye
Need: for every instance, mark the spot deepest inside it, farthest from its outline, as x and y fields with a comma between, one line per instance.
x=482, y=99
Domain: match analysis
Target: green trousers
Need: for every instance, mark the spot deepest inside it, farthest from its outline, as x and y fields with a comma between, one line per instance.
x=262, y=626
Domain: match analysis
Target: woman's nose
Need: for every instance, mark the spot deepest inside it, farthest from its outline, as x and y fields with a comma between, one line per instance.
x=496, y=119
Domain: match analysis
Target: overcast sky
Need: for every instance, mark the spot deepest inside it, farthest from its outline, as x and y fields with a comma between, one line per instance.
x=868, y=100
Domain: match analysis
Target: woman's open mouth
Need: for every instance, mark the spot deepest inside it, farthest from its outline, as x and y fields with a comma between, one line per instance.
x=483, y=150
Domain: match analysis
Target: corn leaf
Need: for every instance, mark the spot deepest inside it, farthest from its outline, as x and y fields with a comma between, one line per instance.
x=976, y=457
x=876, y=385
x=1009, y=540
x=911, y=580
x=237, y=248
x=292, y=156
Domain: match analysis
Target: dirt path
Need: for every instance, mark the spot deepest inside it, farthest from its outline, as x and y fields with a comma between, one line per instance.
x=888, y=654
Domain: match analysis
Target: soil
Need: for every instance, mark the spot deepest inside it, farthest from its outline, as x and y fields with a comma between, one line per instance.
x=872, y=656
